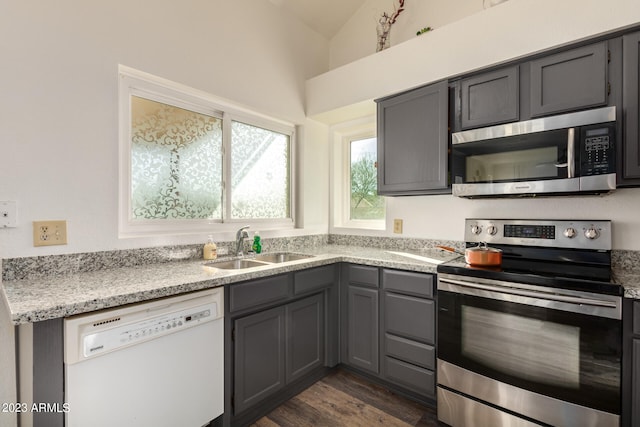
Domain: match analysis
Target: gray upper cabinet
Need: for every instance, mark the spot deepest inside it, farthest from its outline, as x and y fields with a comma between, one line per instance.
x=569, y=80
x=490, y=98
x=413, y=141
x=630, y=102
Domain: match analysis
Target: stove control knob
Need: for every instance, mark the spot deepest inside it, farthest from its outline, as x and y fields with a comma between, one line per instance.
x=492, y=230
x=570, y=232
x=476, y=229
x=591, y=233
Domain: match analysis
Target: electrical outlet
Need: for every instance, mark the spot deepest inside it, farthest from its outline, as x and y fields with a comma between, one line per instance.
x=48, y=233
x=397, y=226
x=8, y=214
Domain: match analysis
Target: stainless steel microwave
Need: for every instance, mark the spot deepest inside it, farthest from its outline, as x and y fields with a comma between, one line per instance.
x=565, y=154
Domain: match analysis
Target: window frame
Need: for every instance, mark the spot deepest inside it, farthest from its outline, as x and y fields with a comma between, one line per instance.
x=343, y=135
x=133, y=82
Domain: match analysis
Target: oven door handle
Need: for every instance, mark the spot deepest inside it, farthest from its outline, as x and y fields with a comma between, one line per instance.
x=533, y=294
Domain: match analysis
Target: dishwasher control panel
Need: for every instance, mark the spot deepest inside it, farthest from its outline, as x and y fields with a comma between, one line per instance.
x=144, y=330
x=91, y=335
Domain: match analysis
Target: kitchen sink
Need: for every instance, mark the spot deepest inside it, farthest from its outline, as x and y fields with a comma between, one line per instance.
x=281, y=257
x=258, y=261
x=235, y=264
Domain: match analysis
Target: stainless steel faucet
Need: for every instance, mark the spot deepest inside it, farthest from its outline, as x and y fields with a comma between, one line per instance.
x=240, y=236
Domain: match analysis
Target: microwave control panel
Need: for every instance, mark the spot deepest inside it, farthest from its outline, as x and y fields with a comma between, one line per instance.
x=597, y=150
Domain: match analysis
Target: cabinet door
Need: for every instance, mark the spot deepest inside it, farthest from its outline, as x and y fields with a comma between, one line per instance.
x=569, y=80
x=259, y=357
x=305, y=336
x=630, y=101
x=413, y=141
x=635, y=394
x=490, y=98
x=362, y=329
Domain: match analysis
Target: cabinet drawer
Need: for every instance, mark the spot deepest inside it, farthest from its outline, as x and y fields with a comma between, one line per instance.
x=409, y=317
x=410, y=376
x=362, y=275
x=410, y=351
x=636, y=317
x=315, y=278
x=405, y=281
x=258, y=292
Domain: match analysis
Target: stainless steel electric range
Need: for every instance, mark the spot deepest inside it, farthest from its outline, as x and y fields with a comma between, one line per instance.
x=538, y=340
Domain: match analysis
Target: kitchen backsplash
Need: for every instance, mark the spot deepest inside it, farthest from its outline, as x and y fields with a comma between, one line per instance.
x=34, y=267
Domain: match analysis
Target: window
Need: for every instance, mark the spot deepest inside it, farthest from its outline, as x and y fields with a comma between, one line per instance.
x=364, y=202
x=260, y=164
x=188, y=161
x=354, y=175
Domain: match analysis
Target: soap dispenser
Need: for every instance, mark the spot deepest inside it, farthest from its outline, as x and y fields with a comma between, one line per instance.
x=257, y=246
x=210, y=250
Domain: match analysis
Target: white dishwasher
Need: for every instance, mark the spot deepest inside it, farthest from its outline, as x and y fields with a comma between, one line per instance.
x=157, y=363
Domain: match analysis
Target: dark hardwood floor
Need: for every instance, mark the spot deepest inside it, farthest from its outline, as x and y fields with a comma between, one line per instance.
x=344, y=399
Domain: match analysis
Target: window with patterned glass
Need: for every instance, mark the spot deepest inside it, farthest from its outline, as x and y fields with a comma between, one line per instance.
x=260, y=173
x=176, y=162
x=188, y=162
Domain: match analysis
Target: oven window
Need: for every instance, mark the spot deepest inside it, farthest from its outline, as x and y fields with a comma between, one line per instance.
x=531, y=349
x=570, y=356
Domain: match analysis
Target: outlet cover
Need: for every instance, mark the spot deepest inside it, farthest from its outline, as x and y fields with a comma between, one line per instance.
x=8, y=214
x=397, y=226
x=48, y=233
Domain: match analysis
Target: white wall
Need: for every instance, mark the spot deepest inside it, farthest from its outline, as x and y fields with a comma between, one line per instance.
x=58, y=108
x=509, y=30
x=358, y=38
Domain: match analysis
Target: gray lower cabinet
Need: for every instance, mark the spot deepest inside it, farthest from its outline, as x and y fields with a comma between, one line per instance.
x=389, y=327
x=259, y=357
x=281, y=335
x=305, y=336
x=362, y=328
x=631, y=107
x=569, y=80
x=635, y=396
x=413, y=141
x=635, y=368
x=408, y=335
x=490, y=98
x=276, y=347
x=359, y=313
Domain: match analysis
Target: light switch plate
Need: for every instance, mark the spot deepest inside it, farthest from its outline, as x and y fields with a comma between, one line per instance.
x=8, y=214
x=397, y=226
x=48, y=233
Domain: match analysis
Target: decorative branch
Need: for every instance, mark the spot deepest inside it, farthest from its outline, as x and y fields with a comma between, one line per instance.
x=384, y=26
x=396, y=12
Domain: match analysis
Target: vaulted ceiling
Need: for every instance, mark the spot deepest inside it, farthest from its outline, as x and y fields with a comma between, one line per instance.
x=324, y=16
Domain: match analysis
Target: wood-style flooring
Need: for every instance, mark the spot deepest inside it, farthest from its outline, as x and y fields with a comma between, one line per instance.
x=344, y=399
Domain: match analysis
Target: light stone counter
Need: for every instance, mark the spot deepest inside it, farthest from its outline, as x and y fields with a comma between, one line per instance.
x=54, y=296
x=43, y=298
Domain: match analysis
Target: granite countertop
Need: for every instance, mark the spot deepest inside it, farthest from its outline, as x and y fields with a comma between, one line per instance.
x=38, y=299
x=34, y=300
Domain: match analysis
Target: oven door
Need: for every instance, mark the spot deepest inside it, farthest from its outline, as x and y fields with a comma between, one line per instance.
x=564, y=346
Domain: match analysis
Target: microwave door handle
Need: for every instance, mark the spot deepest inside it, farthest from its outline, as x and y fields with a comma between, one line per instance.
x=571, y=153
